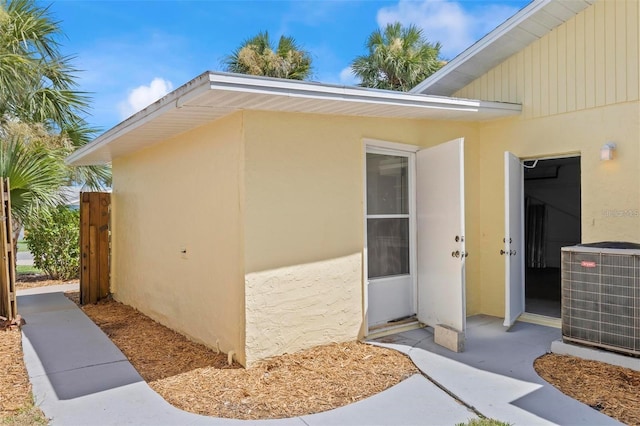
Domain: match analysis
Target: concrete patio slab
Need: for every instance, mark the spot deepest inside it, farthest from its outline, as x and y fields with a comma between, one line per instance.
x=495, y=374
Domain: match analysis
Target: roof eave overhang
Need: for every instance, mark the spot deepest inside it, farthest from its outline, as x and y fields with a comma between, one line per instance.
x=214, y=95
x=508, y=38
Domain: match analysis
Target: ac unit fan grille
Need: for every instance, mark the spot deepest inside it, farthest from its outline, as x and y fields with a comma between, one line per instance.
x=601, y=299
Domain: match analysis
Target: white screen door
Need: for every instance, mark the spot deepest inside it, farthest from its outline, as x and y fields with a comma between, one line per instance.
x=389, y=199
x=441, y=246
x=514, y=238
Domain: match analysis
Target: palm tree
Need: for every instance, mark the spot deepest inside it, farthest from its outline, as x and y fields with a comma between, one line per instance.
x=36, y=81
x=256, y=56
x=41, y=115
x=399, y=58
x=37, y=87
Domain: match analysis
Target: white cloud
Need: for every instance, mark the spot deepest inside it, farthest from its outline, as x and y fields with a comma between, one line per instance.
x=348, y=78
x=447, y=21
x=143, y=96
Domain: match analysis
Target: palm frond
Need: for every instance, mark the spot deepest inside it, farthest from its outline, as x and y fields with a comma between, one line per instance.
x=398, y=58
x=35, y=177
x=257, y=56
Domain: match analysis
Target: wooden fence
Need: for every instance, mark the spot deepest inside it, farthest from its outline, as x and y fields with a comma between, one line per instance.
x=8, y=305
x=94, y=246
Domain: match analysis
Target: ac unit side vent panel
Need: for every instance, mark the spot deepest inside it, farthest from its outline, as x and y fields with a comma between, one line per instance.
x=601, y=297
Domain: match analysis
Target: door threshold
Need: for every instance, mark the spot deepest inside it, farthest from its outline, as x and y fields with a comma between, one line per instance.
x=540, y=320
x=393, y=328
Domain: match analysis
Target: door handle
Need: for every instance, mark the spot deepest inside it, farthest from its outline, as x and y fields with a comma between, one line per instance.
x=455, y=253
x=502, y=252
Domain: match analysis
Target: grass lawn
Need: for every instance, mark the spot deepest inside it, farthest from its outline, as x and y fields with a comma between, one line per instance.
x=22, y=246
x=27, y=270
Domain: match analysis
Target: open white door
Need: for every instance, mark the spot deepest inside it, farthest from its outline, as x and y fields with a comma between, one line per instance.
x=514, y=238
x=441, y=247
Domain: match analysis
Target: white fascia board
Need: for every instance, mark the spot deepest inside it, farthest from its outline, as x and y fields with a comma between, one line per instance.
x=297, y=89
x=211, y=83
x=500, y=31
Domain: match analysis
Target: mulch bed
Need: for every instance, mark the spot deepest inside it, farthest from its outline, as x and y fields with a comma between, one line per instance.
x=14, y=381
x=24, y=281
x=195, y=378
x=615, y=391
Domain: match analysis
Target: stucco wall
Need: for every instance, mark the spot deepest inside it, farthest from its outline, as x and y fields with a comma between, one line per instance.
x=185, y=193
x=610, y=189
x=304, y=223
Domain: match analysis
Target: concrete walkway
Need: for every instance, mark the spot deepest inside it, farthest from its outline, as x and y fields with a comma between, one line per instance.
x=495, y=373
x=79, y=377
x=25, y=258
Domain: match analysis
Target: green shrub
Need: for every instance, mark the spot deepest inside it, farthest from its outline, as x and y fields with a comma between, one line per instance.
x=53, y=240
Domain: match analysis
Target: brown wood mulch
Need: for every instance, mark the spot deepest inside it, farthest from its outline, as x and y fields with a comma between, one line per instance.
x=24, y=281
x=612, y=390
x=195, y=378
x=14, y=381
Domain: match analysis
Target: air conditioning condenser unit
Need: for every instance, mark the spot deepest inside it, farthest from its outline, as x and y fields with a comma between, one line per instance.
x=601, y=296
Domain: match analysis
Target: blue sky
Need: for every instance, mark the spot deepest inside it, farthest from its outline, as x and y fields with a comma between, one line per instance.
x=133, y=52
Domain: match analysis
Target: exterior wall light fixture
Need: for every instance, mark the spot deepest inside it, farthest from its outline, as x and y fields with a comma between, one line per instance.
x=606, y=152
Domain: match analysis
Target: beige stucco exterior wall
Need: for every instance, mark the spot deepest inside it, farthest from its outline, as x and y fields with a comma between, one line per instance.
x=304, y=223
x=610, y=190
x=269, y=207
x=579, y=87
x=185, y=193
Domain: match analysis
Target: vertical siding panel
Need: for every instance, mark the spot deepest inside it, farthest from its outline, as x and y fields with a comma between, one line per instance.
x=520, y=80
x=610, y=47
x=506, y=75
x=477, y=86
x=535, y=79
x=475, y=93
x=467, y=91
x=491, y=85
x=600, y=53
x=562, y=68
x=633, y=50
x=484, y=87
x=528, y=80
x=497, y=83
x=571, y=65
x=552, y=73
x=590, y=58
x=581, y=65
x=470, y=91
x=621, y=51
x=544, y=93
x=513, y=78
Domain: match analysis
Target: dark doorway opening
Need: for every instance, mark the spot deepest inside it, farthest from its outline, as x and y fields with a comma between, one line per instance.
x=552, y=220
